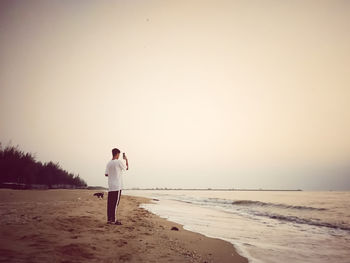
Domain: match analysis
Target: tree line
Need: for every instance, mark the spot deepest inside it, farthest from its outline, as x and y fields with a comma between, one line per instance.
x=19, y=167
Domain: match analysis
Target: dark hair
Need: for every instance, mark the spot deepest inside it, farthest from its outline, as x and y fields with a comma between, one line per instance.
x=115, y=151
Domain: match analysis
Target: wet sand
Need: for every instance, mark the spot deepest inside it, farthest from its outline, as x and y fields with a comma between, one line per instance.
x=70, y=226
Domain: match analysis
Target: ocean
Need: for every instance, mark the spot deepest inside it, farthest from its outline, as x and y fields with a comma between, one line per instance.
x=264, y=226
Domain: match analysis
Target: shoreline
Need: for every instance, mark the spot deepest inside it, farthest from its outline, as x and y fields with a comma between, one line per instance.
x=70, y=225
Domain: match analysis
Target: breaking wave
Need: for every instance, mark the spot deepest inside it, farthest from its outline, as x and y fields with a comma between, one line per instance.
x=262, y=209
x=258, y=203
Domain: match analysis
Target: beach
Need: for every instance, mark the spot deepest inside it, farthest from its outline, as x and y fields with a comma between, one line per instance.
x=70, y=226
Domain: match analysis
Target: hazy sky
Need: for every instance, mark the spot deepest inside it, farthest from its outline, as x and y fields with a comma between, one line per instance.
x=244, y=94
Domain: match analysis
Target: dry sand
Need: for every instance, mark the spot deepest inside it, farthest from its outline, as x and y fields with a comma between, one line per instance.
x=70, y=226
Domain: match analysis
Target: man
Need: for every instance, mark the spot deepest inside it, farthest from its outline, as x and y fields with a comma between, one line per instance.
x=114, y=170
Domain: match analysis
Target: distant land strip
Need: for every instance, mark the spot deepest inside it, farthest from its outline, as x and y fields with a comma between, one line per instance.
x=217, y=189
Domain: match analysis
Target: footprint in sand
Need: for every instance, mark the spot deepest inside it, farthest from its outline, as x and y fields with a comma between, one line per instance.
x=125, y=257
x=76, y=251
x=120, y=242
x=130, y=236
x=130, y=228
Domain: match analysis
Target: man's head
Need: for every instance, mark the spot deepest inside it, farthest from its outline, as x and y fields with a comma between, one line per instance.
x=115, y=153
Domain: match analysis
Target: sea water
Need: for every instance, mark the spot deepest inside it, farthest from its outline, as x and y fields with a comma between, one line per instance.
x=264, y=226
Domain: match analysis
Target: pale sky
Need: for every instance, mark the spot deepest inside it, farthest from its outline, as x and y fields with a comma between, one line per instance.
x=232, y=94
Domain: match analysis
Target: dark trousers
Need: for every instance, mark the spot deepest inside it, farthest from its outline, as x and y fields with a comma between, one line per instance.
x=112, y=204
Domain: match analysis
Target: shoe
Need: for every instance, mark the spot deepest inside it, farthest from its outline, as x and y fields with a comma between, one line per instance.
x=110, y=222
x=118, y=222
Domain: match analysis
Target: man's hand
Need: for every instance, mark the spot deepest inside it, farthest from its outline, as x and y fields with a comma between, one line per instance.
x=126, y=160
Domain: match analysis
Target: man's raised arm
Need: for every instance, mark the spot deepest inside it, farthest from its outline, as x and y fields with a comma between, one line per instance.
x=126, y=160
